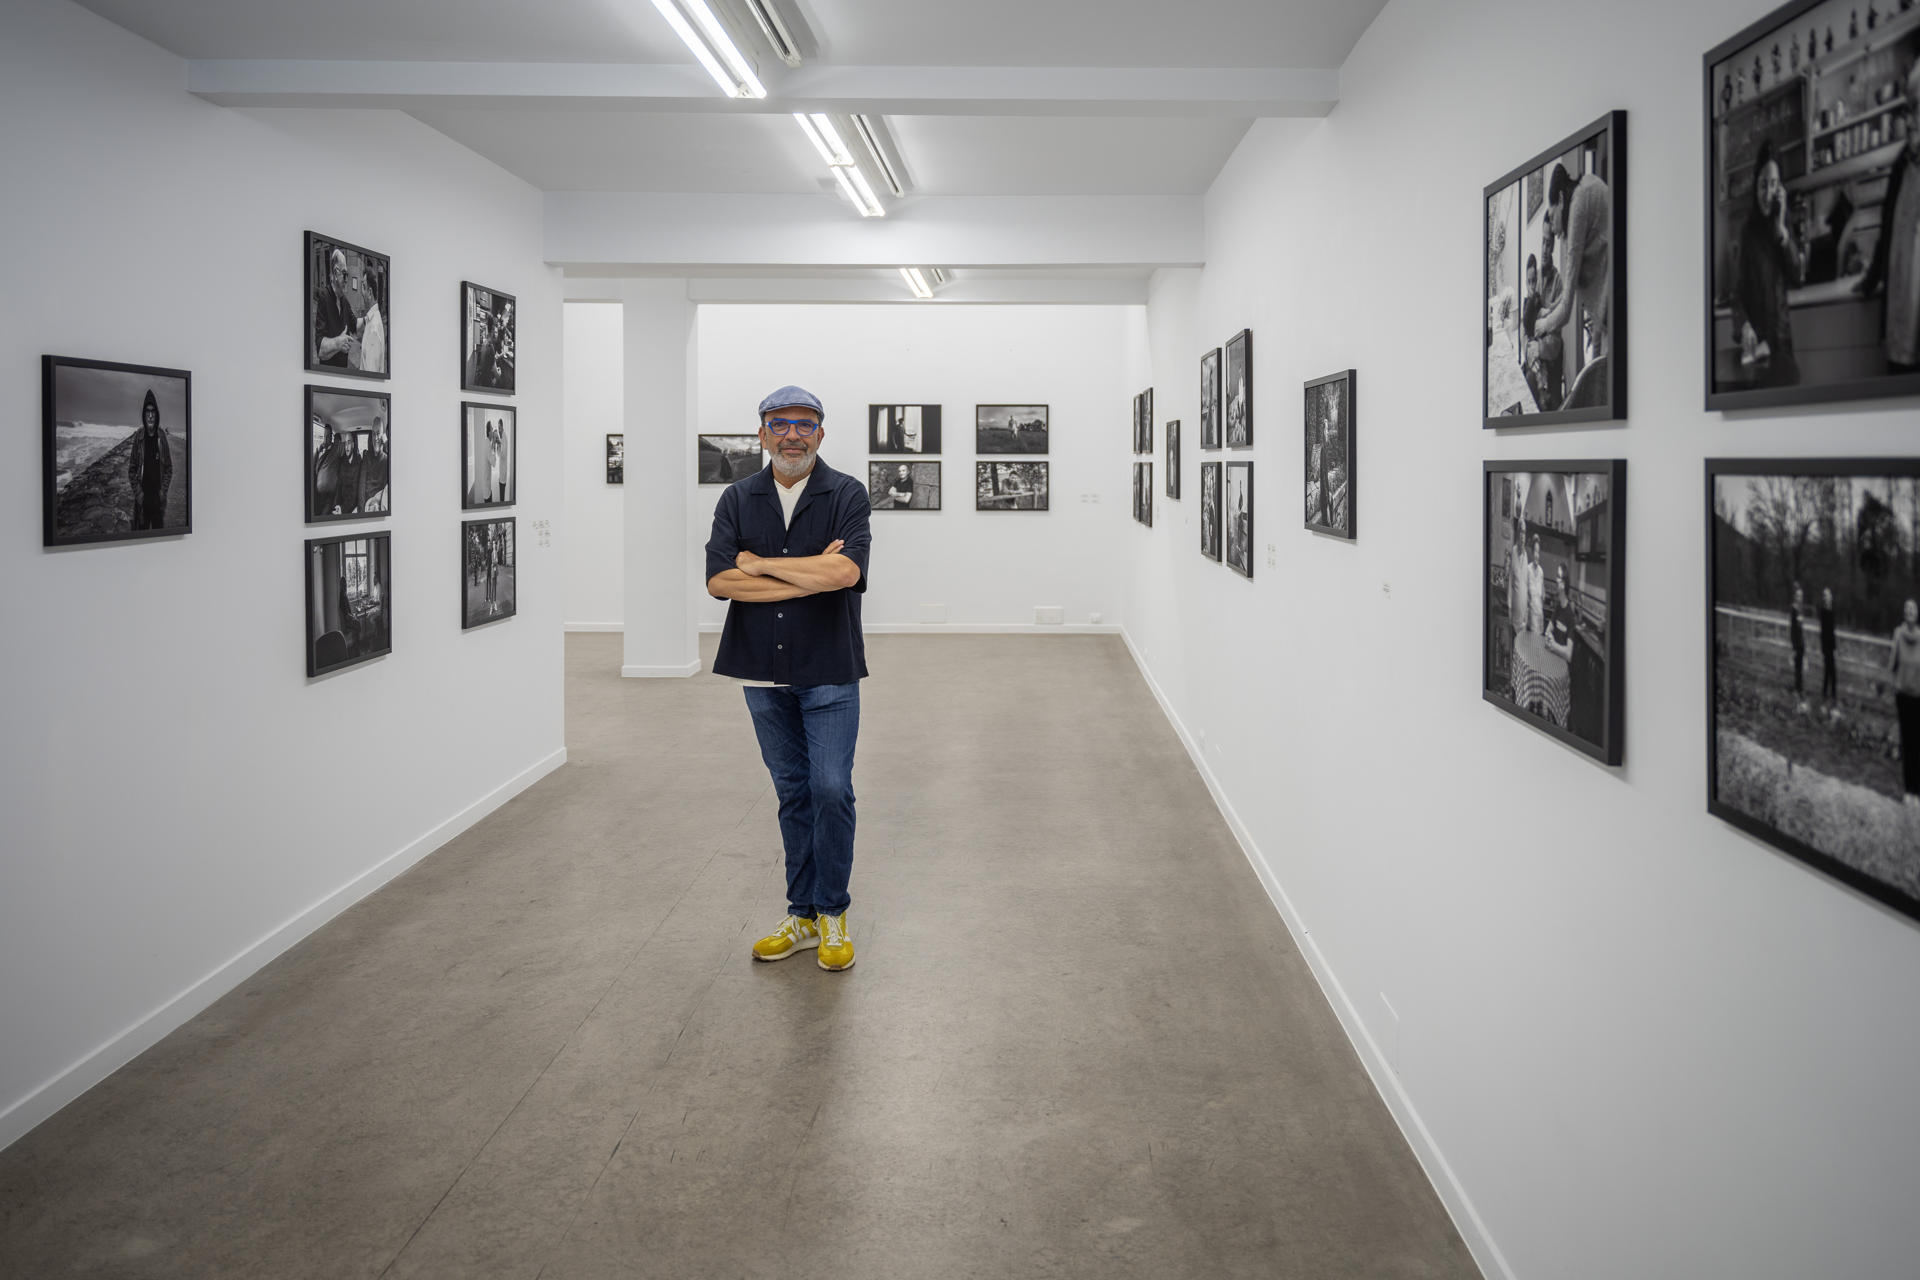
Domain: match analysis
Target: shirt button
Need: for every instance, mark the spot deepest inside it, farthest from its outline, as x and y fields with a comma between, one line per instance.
x=783, y=551
x=779, y=646
x=779, y=615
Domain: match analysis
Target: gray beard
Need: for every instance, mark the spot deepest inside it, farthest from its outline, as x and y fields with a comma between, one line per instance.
x=792, y=470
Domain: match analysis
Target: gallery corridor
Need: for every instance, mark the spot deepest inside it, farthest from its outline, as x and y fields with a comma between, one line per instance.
x=1078, y=1042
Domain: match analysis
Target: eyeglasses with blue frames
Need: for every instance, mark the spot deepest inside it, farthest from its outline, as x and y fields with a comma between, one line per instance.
x=800, y=426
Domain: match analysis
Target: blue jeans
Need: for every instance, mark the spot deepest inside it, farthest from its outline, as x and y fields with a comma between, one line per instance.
x=806, y=737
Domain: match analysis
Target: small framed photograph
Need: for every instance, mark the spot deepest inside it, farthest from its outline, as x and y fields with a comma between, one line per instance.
x=1010, y=486
x=489, y=462
x=1813, y=664
x=1143, y=493
x=1173, y=458
x=1553, y=551
x=349, y=600
x=1210, y=510
x=1330, y=454
x=724, y=459
x=1210, y=400
x=1555, y=249
x=348, y=452
x=116, y=451
x=486, y=339
x=904, y=486
x=1812, y=177
x=903, y=428
x=1239, y=517
x=616, y=458
x=1143, y=422
x=1236, y=390
x=487, y=573
x=349, y=314
x=1010, y=428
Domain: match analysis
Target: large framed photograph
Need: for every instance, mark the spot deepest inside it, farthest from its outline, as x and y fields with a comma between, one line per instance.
x=1553, y=555
x=487, y=572
x=116, y=451
x=1010, y=486
x=1813, y=663
x=349, y=312
x=904, y=486
x=348, y=454
x=1238, y=508
x=486, y=339
x=903, y=428
x=1173, y=458
x=1210, y=400
x=724, y=459
x=1236, y=390
x=1330, y=454
x=616, y=458
x=349, y=600
x=1143, y=421
x=1555, y=255
x=1210, y=510
x=1812, y=119
x=1010, y=428
x=489, y=460
x=1143, y=493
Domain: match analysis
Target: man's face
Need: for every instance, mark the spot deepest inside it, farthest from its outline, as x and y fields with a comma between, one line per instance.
x=1561, y=576
x=149, y=417
x=792, y=453
x=1536, y=551
x=1911, y=613
x=339, y=272
x=1766, y=187
x=903, y=471
x=1533, y=278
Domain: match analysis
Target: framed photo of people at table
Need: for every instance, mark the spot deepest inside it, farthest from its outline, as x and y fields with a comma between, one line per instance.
x=1553, y=580
x=1813, y=663
x=1554, y=254
x=1812, y=206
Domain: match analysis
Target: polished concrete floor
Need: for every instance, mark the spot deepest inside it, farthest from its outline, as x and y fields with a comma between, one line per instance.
x=1078, y=1041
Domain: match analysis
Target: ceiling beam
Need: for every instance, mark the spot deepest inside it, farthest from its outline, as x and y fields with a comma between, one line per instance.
x=1026, y=290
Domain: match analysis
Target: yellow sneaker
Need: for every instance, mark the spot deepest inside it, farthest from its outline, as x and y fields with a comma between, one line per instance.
x=835, y=943
x=795, y=933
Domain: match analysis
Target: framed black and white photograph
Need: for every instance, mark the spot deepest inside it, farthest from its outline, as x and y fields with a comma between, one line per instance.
x=1010, y=486
x=1553, y=557
x=1555, y=255
x=349, y=600
x=903, y=428
x=1143, y=421
x=1812, y=119
x=1173, y=458
x=724, y=459
x=904, y=486
x=487, y=339
x=348, y=453
x=1143, y=493
x=1236, y=391
x=349, y=314
x=1210, y=510
x=1237, y=506
x=1328, y=432
x=1010, y=428
x=1210, y=400
x=487, y=572
x=489, y=460
x=1813, y=663
x=616, y=458
x=116, y=451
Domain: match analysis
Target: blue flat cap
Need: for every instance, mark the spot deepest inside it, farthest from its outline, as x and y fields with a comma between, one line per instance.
x=793, y=398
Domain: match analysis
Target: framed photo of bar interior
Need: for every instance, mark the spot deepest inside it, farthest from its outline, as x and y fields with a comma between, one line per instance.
x=116, y=451
x=349, y=600
x=1328, y=433
x=1812, y=121
x=1813, y=663
x=348, y=311
x=487, y=339
x=1210, y=510
x=1553, y=580
x=1555, y=255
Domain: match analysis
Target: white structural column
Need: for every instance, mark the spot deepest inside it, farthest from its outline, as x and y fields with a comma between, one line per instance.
x=662, y=635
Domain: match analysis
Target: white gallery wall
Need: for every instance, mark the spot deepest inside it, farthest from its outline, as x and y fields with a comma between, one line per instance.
x=592, y=383
x=180, y=802
x=1626, y=1039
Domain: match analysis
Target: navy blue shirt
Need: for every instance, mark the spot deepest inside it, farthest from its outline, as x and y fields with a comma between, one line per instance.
x=811, y=639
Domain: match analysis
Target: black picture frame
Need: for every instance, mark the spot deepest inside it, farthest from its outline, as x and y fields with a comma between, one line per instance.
x=1173, y=457
x=349, y=454
x=349, y=588
x=616, y=457
x=1210, y=399
x=1330, y=480
x=368, y=297
x=1236, y=391
x=722, y=459
x=1237, y=527
x=1518, y=374
x=489, y=339
x=922, y=486
x=1011, y=486
x=1143, y=493
x=489, y=571
x=1579, y=696
x=903, y=428
x=94, y=479
x=1143, y=421
x=489, y=455
x=1825, y=779
x=1014, y=429
x=1210, y=509
x=1837, y=164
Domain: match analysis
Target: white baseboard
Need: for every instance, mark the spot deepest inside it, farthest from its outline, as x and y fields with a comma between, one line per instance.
x=596, y=626
x=679, y=671
x=23, y=1116
x=1452, y=1194
x=991, y=629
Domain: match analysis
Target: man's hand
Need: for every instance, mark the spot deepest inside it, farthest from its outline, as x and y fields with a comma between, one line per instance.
x=748, y=563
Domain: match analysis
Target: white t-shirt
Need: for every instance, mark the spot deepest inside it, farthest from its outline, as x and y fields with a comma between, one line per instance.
x=789, y=499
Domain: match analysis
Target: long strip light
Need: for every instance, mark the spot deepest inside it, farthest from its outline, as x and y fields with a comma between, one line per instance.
x=916, y=282
x=819, y=129
x=859, y=190
x=864, y=127
x=736, y=79
x=774, y=28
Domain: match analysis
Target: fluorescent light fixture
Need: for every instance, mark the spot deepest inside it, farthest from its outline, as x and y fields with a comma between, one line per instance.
x=854, y=183
x=916, y=282
x=736, y=79
x=813, y=135
x=864, y=127
x=825, y=138
x=774, y=28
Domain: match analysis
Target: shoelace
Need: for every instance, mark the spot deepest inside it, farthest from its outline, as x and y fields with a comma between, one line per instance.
x=794, y=927
x=833, y=931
